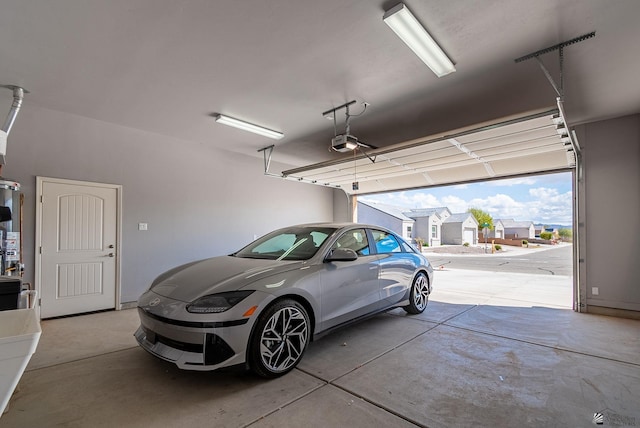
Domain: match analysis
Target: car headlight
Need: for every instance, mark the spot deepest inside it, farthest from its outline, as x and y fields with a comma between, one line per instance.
x=216, y=303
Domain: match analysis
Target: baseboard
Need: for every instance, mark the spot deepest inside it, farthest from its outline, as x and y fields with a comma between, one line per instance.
x=128, y=305
x=620, y=313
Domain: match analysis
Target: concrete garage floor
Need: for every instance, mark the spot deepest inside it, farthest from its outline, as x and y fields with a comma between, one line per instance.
x=490, y=350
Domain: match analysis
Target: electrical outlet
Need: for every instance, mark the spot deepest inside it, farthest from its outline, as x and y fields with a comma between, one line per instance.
x=143, y=226
x=595, y=291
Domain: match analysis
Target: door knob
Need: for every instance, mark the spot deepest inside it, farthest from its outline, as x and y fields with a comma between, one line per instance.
x=111, y=246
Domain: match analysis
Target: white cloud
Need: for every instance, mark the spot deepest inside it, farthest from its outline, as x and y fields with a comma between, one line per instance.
x=499, y=206
x=551, y=206
x=455, y=204
x=413, y=200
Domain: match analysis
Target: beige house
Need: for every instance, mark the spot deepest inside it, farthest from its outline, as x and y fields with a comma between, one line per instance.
x=518, y=229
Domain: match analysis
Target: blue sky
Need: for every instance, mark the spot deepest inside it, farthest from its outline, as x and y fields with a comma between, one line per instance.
x=541, y=198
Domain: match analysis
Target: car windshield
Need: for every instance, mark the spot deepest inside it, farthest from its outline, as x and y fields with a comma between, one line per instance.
x=294, y=243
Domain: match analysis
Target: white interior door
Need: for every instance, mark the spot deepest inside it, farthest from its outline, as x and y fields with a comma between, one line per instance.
x=78, y=243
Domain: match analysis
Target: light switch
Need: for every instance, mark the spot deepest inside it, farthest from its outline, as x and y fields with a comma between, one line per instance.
x=595, y=291
x=143, y=226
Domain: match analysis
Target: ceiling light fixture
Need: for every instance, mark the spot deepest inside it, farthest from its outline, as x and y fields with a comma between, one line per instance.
x=407, y=27
x=246, y=126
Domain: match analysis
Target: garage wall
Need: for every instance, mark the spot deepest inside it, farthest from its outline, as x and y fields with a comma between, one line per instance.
x=611, y=242
x=198, y=201
x=342, y=210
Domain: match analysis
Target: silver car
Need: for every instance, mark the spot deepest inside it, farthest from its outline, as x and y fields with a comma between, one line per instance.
x=263, y=304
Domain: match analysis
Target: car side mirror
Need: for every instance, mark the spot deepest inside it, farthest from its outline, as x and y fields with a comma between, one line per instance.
x=341, y=255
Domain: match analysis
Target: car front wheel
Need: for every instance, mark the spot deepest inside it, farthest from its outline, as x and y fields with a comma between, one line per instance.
x=279, y=339
x=419, y=297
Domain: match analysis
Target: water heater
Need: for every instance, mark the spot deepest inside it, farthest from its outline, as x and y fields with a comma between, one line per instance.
x=11, y=201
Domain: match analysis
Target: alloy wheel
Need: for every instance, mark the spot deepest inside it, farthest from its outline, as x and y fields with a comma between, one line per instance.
x=283, y=339
x=421, y=293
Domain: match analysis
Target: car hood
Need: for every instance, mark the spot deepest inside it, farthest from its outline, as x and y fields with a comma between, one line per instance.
x=226, y=273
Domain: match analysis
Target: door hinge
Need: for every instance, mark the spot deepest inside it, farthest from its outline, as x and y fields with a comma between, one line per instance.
x=41, y=199
x=39, y=250
x=39, y=302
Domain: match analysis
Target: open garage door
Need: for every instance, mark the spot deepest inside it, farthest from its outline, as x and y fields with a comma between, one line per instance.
x=530, y=143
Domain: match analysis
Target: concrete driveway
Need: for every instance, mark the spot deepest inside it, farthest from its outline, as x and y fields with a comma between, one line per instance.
x=541, y=260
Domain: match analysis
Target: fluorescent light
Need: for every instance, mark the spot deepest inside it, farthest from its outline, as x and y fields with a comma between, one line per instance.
x=246, y=126
x=407, y=27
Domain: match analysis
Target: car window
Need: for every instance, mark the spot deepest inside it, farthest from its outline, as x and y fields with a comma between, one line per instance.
x=385, y=242
x=407, y=248
x=355, y=240
x=277, y=244
x=296, y=243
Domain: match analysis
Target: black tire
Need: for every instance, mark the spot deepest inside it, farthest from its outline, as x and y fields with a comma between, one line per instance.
x=279, y=339
x=419, y=296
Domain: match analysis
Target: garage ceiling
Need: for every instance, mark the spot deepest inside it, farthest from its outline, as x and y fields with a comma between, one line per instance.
x=534, y=142
x=166, y=67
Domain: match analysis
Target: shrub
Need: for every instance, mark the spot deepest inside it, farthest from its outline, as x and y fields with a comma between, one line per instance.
x=466, y=244
x=498, y=247
x=525, y=243
x=546, y=235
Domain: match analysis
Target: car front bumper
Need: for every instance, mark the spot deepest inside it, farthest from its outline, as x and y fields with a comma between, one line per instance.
x=191, y=345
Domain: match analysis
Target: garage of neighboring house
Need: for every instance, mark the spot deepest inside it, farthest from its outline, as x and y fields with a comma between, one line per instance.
x=120, y=169
x=459, y=229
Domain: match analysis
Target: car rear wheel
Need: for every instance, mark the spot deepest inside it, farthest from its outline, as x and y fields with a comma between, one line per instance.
x=279, y=339
x=419, y=297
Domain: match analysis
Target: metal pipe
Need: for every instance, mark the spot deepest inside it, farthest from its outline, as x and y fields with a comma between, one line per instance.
x=18, y=95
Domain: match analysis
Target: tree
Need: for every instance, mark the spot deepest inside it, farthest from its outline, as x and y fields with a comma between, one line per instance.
x=565, y=234
x=482, y=217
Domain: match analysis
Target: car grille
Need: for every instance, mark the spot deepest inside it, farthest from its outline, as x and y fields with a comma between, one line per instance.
x=215, y=349
x=187, y=347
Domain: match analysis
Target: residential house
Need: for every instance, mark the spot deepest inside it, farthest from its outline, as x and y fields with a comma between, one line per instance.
x=428, y=224
x=518, y=229
x=443, y=212
x=436, y=226
x=539, y=228
x=460, y=228
x=498, y=230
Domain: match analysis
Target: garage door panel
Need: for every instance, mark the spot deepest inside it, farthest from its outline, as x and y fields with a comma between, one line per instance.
x=511, y=146
x=549, y=161
x=532, y=124
x=525, y=153
x=513, y=143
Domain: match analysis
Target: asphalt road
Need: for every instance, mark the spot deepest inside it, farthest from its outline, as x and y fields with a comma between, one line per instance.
x=554, y=261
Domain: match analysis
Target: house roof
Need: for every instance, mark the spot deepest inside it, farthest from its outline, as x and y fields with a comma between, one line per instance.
x=423, y=212
x=511, y=223
x=460, y=218
x=391, y=210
